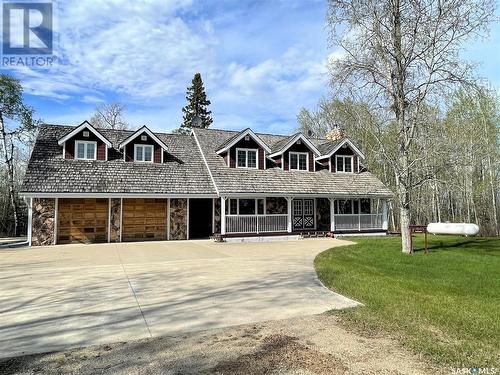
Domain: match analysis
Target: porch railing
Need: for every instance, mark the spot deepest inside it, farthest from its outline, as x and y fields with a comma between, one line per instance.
x=256, y=223
x=358, y=221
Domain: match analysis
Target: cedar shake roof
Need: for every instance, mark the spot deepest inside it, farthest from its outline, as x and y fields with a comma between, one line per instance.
x=184, y=170
x=277, y=181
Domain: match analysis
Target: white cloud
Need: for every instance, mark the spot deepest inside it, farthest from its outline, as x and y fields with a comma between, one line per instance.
x=145, y=52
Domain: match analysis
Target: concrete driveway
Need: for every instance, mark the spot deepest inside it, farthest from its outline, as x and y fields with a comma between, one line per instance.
x=54, y=298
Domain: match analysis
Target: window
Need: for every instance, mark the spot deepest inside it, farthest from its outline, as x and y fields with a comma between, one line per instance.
x=85, y=150
x=344, y=163
x=143, y=153
x=245, y=206
x=246, y=158
x=352, y=206
x=299, y=161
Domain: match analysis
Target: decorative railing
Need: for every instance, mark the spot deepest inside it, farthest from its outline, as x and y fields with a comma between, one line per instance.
x=358, y=221
x=256, y=223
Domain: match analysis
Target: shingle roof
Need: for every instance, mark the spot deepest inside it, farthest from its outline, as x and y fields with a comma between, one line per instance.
x=184, y=170
x=277, y=181
x=182, y=173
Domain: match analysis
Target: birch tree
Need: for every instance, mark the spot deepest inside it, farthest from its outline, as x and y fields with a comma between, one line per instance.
x=16, y=121
x=397, y=55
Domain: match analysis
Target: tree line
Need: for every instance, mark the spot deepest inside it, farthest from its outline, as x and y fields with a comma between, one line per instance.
x=455, y=163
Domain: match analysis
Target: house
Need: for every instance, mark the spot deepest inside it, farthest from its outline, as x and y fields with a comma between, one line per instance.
x=98, y=185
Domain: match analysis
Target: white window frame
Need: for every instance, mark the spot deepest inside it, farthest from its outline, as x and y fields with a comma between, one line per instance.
x=85, y=143
x=298, y=162
x=143, y=153
x=246, y=157
x=256, y=199
x=343, y=164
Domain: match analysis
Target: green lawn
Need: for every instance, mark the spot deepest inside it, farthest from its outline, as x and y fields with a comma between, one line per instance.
x=444, y=304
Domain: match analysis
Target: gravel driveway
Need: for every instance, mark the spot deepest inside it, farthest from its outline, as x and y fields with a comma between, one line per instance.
x=55, y=298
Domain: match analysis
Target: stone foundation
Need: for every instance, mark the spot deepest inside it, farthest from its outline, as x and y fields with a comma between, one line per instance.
x=43, y=221
x=178, y=219
x=115, y=220
x=276, y=206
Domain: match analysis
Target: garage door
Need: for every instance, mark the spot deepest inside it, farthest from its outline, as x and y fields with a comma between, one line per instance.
x=82, y=220
x=144, y=219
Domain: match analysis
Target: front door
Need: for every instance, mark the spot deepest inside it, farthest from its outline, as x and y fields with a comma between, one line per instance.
x=303, y=214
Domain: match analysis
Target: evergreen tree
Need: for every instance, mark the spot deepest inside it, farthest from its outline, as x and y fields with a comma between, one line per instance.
x=196, y=107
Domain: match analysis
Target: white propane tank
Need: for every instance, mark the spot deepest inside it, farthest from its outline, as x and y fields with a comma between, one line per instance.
x=463, y=229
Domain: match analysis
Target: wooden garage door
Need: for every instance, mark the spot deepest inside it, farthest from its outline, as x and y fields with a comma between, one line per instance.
x=144, y=219
x=82, y=220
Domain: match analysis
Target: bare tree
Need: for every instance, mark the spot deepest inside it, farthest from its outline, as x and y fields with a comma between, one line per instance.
x=16, y=120
x=110, y=116
x=396, y=56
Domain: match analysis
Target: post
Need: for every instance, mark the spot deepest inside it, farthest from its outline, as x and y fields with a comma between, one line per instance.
x=56, y=219
x=385, y=223
x=30, y=221
x=187, y=220
x=222, y=215
x=332, y=214
x=168, y=219
x=289, y=214
x=359, y=215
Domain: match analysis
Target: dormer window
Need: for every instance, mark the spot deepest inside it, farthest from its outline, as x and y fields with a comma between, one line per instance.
x=246, y=158
x=344, y=163
x=143, y=153
x=85, y=150
x=299, y=161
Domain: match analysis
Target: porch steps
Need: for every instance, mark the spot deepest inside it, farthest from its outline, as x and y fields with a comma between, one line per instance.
x=262, y=238
x=316, y=234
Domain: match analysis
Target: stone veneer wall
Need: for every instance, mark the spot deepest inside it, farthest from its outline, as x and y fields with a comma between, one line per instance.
x=116, y=216
x=323, y=214
x=178, y=218
x=43, y=221
x=276, y=206
x=217, y=218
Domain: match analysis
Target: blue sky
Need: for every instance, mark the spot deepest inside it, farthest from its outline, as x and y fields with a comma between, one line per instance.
x=261, y=61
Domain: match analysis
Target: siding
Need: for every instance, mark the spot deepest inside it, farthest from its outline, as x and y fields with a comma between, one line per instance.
x=129, y=148
x=298, y=148
x=70, y=145
x=246, y=144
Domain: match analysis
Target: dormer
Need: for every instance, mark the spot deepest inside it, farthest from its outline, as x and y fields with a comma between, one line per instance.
x=85, y=143
x=143, y=146
x=245, y=150
x=341, y=156
x=295, y=153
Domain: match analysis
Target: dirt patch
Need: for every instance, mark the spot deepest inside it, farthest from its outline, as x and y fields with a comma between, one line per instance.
x=279, y=353
x=318, y=344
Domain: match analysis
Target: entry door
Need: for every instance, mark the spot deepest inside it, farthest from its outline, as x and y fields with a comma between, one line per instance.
x=303, y=213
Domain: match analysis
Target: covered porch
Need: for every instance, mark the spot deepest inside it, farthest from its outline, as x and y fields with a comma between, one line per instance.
x=246, y=215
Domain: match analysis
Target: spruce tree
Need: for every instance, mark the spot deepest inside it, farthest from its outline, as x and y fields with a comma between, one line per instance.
x=197, y=106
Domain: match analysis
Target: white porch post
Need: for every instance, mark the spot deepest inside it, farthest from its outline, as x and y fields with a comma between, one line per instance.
x=222, y=215
x=332, y=214
x=385, y=221
x=289, y=214
x=30, y=221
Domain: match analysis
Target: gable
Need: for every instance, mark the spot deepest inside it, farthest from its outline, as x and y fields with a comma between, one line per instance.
x=250, y=143
x=69, y=144
x=128, y=149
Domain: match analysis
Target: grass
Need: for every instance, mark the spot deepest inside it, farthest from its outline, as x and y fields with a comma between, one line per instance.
x=444, y=304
